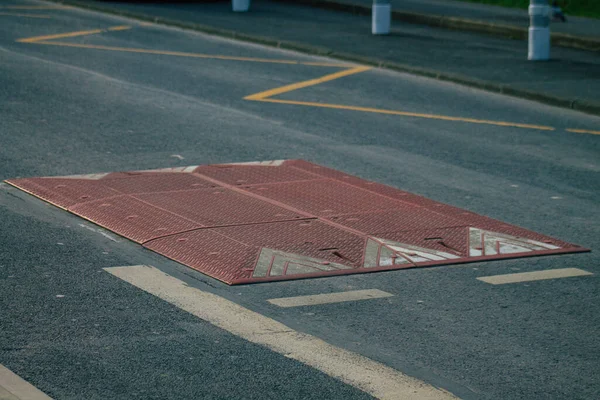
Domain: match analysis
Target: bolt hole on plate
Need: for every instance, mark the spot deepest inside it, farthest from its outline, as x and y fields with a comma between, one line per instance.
x=249, y=233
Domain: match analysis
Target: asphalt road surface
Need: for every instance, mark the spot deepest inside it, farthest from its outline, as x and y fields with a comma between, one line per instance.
x=140, y=96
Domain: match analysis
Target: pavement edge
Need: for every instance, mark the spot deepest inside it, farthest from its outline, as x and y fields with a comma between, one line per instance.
x=574, y=104
x=456, y=23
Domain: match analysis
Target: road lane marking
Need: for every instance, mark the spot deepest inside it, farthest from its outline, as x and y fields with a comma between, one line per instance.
x=584, y=131
x=533, y=276
x=411, y=114
x=17, y=388
x=44, y=38
x=326, y=64
x=60, y=35
x=101, y=232
x=119, y=28
x=365, y=374
x=32, y=7
x=185, y=54
x=266, y=96
x=327, y=298
x=8, y=14
x=311, y=82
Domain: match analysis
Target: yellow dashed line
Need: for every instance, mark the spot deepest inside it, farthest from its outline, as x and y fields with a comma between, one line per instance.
x=584, y=131
x=295, y=86
x=32, y=7
x=25, y=15
x=266, y=96
x=119, y=28
x=182, y=54
x=411, y=114
x=36, y=39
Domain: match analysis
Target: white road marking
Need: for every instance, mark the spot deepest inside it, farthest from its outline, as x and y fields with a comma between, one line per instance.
x=270, y=163
x=534, y=276
x=18, y=388
x=327, y=298
x=93, y=177
x=100, y=231
x=367, y=375
x=187, y=170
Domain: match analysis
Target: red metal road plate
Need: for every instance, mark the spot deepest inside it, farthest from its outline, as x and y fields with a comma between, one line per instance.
x=218, y=207
x=277, y=220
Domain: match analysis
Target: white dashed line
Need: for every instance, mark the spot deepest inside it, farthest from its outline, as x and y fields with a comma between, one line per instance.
x=326, y=298
x=13, y=387
x=534, y=276
x=363, y=373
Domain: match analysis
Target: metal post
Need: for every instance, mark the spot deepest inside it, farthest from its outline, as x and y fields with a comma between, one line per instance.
x=240, y=5
x=381, y=17
x=539, y=30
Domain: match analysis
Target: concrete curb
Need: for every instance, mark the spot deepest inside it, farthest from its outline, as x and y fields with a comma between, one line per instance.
x=575, y=104
x=455, y=23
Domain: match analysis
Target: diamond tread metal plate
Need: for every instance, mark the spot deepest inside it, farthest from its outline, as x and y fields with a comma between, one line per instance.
x=218, y=206
x=265, y=252
x=133, y=219
x=249, y=174
x=278, y=220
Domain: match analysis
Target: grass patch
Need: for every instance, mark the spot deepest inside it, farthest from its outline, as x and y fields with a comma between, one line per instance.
x=583, y=8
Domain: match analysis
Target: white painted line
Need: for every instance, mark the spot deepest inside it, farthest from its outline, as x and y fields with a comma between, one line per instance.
x=327, y=298
x=18, y=388
x=100, y=231
x=534, y=276
x=269, y=163
x=367, y=375
x=93, y=177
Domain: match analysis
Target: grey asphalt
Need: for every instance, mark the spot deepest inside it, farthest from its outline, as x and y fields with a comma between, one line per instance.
x=571, y=74
x=73, y=110
x=577, y=26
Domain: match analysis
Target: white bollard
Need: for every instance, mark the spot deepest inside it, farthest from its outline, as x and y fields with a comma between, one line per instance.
x=240, y=5
x=539, y=31
x=381, y=14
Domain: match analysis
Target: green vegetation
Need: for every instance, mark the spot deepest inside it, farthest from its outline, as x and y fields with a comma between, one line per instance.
x=584, y=8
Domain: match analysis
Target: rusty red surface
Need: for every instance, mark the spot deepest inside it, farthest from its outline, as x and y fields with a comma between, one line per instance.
x=277, y=220
x=133, y=219
x=218, y=207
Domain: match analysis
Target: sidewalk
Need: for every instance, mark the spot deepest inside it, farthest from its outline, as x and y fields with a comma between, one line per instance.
x=585, y=28
x=571, y=79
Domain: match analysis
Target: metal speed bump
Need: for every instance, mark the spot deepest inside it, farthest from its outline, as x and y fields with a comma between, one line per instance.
x=279, y=220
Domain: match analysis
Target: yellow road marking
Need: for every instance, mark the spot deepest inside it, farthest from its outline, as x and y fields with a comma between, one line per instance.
x=119, y=28
x=326, y=64
x=584, y=131
x=60, y=35
x=370, y=376
x=267, y=94
x=25, y=15
x=411, y=114
x=36, y=39
x=31, y=7
x=312, y=82
x=184, y=54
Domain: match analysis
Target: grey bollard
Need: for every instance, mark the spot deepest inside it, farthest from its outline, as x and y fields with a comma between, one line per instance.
x=240, y=5
x=381, y=14
x=539, y=30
